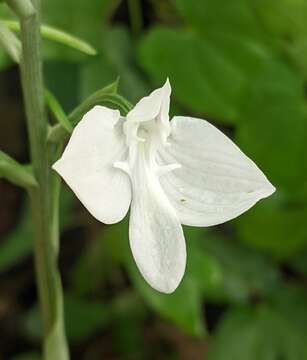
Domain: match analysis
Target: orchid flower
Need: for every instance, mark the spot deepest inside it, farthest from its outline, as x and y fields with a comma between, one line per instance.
x=183, y=171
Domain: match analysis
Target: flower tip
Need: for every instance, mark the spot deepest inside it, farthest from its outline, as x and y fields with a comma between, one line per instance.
x=270, y=189
x=167, y=287
x=167, y=87
x=58, y=167
x=267, y=190
x=55, y=166
x=167, y=283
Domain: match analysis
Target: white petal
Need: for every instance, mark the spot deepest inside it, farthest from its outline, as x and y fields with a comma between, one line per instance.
x=216, y=181
x=151, y=106
x=87, y=165
x=156, y=237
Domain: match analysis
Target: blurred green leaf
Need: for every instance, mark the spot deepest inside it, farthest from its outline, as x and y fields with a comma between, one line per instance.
x=27, y=356
x=184, y=311
x=102, y=257
x=280, y=231
x=273, y=126
x=82, y=318
x=183, y=307
x=170, y=53
x=218, y=269
x=287, y=21
x=237, y=337
x=116, y=59
x=273, y=131
x=290, y=301
x=239, y=272
x=205, y=268
x=5, y=60
x=270, y=331
x=18, y=244
x=62, y=79
x=224, y=48
x=128, y=316
x=219, y=67
x=235, y=17
x=298, y=262
x=286, y=17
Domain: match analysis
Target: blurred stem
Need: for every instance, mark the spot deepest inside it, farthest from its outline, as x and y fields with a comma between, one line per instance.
x=136, y=19
x=44, y=196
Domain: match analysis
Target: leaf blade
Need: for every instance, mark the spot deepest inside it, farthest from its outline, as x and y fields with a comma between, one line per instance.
x=60, y=36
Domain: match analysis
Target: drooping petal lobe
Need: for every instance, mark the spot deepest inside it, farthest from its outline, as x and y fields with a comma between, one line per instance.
x=156, y=237
x=216, y=182
x=87, y=165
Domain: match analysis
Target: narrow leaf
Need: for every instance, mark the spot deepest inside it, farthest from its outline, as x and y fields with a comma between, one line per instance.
x=104, y=96
x=57, y=110
x=10, y=43
x=58, y=36
x=16, y=173
x=108, y=94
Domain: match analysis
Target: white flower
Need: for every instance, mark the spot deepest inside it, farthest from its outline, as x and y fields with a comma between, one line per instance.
x=169, y=173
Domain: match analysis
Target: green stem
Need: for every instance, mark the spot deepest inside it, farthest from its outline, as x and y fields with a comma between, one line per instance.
x=44, y=196
x=136, y=20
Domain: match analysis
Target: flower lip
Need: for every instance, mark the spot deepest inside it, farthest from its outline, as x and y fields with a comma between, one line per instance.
x=155, y=233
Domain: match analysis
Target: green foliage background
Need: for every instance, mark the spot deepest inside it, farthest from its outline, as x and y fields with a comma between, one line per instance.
x=242, y=65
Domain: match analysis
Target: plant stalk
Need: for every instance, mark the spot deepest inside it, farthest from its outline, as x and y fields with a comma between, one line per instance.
x=44, y=197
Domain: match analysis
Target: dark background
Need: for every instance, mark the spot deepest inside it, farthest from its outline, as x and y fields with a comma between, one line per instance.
x=242, y=65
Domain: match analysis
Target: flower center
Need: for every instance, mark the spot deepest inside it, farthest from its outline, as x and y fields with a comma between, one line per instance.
x=145, y=138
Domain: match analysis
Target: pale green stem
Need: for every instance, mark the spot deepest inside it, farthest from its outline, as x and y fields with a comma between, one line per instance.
x=44, y=196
